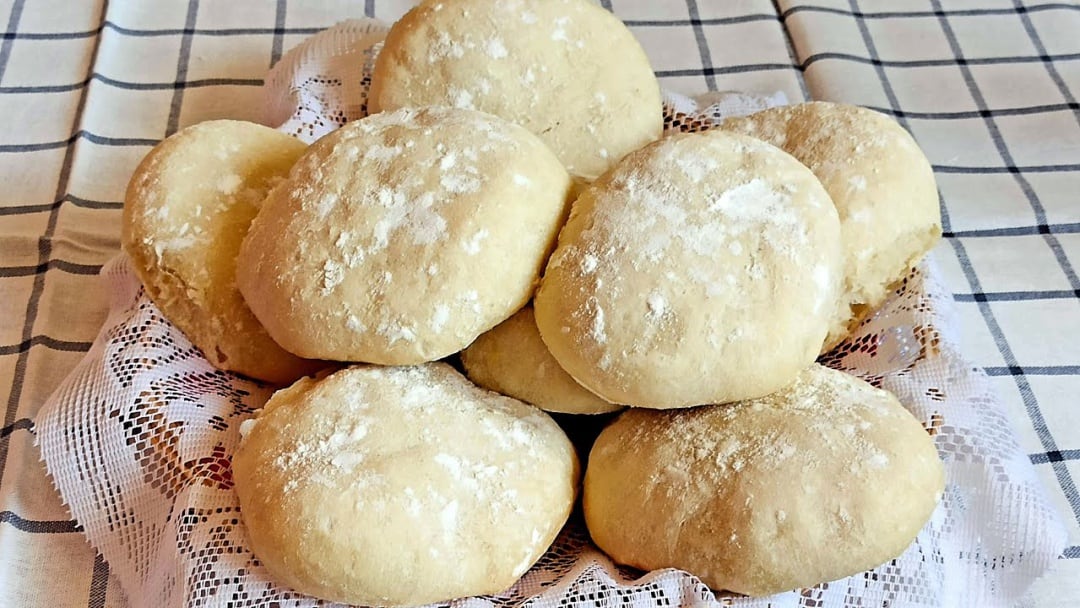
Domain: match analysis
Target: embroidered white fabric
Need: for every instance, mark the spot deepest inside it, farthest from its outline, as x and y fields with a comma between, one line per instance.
x=138, y=439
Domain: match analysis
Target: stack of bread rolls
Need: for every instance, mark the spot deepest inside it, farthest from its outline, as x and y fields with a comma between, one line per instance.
x=511, y=197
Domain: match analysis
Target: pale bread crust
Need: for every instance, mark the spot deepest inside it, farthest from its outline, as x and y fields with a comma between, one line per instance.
x=401, y=486
x=704, y=268
x=186, y=210
x=881, y=182
x=569, y=71
x=400, y=238
x=824, y=479
x=512, y=359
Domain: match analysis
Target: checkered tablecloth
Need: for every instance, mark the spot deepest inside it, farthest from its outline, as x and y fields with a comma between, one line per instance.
x=988, y=87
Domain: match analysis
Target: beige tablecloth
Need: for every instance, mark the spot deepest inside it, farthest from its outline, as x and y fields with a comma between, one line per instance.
x=988, y=87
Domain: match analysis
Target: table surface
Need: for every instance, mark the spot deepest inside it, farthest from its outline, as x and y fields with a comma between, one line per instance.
x=988, y=88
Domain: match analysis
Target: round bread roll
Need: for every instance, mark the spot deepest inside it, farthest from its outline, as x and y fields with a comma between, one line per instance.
x=816, y=482
x=704, y=268
x=401, y=486
x=400, y=238
x=511, y=359
x=568, y=71
x=881, y=183
x=187, y=208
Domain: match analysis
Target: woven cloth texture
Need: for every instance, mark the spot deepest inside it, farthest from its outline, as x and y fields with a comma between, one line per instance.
x=987, y=87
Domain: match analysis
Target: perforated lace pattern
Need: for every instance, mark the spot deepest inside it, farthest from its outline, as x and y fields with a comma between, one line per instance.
x=138, y=439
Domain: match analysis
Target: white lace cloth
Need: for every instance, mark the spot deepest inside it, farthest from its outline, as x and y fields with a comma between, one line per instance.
x=138, y=438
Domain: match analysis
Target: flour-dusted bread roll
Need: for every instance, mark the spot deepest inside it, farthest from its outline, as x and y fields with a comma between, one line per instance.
x=401, y=486
x=187, y=208
x=881, y=183
x=512, y=359
x=401, y=237
x=568, y=71
x=704, y=268
x=816, y=482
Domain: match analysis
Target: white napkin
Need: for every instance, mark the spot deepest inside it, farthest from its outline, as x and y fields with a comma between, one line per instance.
x=138, y=439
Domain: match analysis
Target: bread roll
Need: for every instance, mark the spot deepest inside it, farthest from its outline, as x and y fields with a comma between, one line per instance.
x=881, y=183
x=512, y=359
x=187, y=208
x=704, y=268
x=401, y=486
x=400, y=238
x=816, y=482
x=568, y=71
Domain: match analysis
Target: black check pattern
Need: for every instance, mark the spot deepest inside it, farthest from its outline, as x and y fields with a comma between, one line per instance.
x=69, y=144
